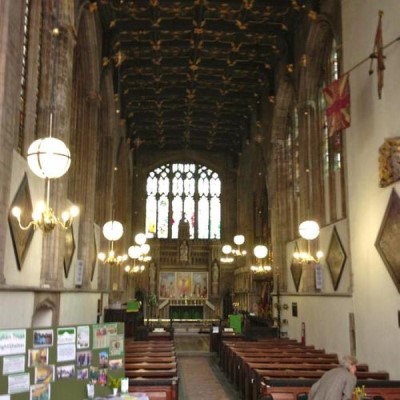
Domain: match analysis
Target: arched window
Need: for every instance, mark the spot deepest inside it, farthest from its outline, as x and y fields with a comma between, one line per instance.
x=183, y=191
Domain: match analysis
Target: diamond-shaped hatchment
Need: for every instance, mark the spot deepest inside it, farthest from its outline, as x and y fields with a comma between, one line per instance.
x=21, y=239
x=296, y=268
x=69, y=250
x=387, y=242
x=96, y=247
x=336, y=258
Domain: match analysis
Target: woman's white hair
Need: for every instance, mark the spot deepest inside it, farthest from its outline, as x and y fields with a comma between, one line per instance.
x=348, y=361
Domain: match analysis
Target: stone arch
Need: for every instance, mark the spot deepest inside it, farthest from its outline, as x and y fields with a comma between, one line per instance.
x=46, y=311
x=317, y=49
x=192, y=157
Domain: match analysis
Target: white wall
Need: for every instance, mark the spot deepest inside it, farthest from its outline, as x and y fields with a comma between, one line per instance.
x=376, y=299
x=325, y=315
x=16, y=309
x=326, y=321
x=78, y=308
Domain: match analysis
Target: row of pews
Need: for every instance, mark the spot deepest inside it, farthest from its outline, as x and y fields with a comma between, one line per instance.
x=284, y=369
x=151, y=368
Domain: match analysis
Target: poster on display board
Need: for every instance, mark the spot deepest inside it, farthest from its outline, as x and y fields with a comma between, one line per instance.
x=66, y=335
x=18, y=383
x=13, y=364
x=12, y=342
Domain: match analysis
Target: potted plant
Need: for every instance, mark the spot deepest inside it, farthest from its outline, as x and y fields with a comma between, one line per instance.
x=114, y=383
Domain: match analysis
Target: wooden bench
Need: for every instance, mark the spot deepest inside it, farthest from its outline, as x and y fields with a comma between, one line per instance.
x=240, y=364
x=240, y=359
x=152, y=373
x=288, y=389
x=253, y=383
x=239, y=369
x=149, y=353
x=156, y=389
x=233, y=352
x=227, y=347
x=139, y=359
x=151, y=368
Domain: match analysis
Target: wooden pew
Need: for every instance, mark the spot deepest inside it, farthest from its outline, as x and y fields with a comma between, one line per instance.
x=151, y=373
x=150, y=345
x=232, y=352
x=149, y=353
x=239, y=372
x=151, y=367
x=253, y=383
x=139, y=359
x=240, y=363
x=228, y=346
x=239, y=360
x=156, y=389
x=288, y=389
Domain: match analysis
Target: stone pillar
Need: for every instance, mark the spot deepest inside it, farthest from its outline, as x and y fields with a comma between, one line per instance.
x=88, y=163
x=59, y=49
x=8, y=115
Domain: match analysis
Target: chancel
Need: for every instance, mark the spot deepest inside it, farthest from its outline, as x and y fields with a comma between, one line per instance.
x=235, y=165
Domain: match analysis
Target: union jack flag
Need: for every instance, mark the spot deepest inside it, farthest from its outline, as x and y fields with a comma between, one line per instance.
x=337, y=96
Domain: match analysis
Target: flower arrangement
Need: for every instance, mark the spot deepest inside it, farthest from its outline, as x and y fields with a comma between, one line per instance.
x=113, y=382
x=152, y=300
x=359, y=392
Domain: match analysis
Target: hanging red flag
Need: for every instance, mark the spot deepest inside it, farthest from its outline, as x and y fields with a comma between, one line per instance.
x=337, y=96
x=378, y=53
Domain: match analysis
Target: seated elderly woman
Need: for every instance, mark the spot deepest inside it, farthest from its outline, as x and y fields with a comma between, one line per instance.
x=337, y=383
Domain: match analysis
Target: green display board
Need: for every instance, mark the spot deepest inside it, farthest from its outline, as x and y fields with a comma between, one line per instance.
x=58, y=362
x=235, y=322
x=133, y=305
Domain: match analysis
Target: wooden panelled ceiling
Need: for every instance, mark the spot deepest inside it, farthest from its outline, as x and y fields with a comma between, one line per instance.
x=190, y=74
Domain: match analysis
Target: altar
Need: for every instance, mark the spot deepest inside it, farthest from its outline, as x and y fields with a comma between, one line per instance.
x=187, y=311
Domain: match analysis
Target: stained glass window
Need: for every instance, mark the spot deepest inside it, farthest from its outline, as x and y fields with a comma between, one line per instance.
x=189, y=191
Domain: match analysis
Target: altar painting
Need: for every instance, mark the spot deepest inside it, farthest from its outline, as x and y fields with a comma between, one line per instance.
x=183, y=284
x=167, y=285
x=200, y=284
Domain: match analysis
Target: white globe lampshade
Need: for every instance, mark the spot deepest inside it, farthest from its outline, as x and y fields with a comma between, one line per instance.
x=140, y=238
x=238, y=240
x=227, y=249
x=134, y=252
x=49, y=158
x=260, y=251
x=113, y=230
x=145, y=248
x=309, y=230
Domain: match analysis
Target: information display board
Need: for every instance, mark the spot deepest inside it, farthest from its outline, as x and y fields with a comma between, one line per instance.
x=58, y=362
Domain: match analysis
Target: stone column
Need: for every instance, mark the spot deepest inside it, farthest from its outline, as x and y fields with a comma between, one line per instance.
x=88, y=164
x=58, y=72
x=8, y=115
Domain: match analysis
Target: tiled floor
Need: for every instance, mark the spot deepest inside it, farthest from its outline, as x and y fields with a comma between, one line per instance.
x=199, y=375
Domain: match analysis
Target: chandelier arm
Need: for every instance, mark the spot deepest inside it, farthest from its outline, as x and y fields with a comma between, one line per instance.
x=25, y=228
